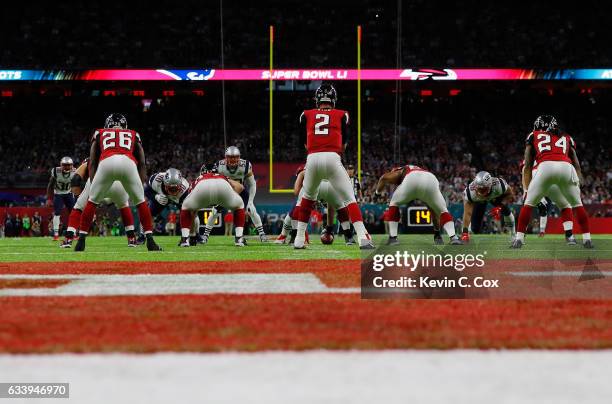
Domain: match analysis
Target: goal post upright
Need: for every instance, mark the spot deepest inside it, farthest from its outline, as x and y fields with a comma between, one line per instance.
x=359, y=103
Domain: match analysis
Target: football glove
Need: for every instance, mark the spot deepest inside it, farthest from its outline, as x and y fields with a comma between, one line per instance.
x=161, y=199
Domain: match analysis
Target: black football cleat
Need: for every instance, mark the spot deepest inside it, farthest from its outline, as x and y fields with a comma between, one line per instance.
x=392, y=241
x=455, y=241
x=151, y=244
x=438, y=240
x=588, y=244
x=80, y=245
x=184, y=242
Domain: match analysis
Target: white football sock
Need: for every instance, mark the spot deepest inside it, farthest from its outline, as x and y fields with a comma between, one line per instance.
x=239, y=231
x=393, y=228
x=361, y=231
x=56, y=224
x=449, y=228
x=543, y=222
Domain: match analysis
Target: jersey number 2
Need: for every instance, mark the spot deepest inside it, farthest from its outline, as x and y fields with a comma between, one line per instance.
x=321, y=126
x=109, y=139
x=544, y=145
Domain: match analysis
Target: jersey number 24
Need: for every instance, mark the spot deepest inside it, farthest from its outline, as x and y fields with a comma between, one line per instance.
x=544, y=143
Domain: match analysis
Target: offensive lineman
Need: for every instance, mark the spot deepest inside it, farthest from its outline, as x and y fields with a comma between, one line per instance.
x=414, y=182
x=58, y=191
x=554, y=152
x=116, y=154
x=324, y=132
x=487, y=189
x=116, y=194
x=240, y=170
x=212, y=188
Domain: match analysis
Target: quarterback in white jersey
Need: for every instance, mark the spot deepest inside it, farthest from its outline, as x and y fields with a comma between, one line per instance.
x=241, y=171
x=58, y=191
x=487, y=189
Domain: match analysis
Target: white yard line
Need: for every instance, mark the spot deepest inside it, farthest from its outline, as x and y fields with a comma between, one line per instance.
x=353, y=377
x=176, y=284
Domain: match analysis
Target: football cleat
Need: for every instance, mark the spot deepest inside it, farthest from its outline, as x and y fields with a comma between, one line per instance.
x=152, y=245
x=438, y=240
x=392, y=241
x=281, y=239
x=263, y=238
x=541, y=234
x=184, y=242
x=203, y=239
x=455, y=241
x=141, y=239
x=67, y=243
x=588, y=244
x=299, y=243
x=55, y=237
x=349, y=240
x=193, y=240
x=571, y=240
x=516, y=243
x=80, y=245
x=132, y=242
x=239, y=242
x=465, y=237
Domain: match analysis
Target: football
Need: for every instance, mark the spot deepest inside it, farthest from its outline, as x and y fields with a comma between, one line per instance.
x=327, y=238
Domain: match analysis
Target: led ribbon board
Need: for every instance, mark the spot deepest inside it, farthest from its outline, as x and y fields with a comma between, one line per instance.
x=302, y=74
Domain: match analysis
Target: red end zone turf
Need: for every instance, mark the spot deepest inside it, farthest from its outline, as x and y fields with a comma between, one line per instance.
x=255, y=322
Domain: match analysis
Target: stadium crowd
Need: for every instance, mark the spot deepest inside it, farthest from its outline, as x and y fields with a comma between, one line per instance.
x=120, y=34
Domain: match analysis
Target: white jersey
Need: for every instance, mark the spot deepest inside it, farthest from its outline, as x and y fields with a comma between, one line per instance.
x=237, y=173
x=62, y=180
x=156, y=182
x=497, y=189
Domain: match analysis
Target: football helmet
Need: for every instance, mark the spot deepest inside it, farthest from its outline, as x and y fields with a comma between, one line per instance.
x=546, y=123
x=66, y=164
x=115, y=120
x=232, y=156
x=208, y=168
x=326, y=94
x=483, y=183
x=173, y=179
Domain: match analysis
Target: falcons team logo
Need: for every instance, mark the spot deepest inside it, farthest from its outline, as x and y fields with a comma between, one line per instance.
x=431, y=74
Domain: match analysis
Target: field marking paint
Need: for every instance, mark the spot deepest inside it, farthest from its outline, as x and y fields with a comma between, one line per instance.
x=184, y=284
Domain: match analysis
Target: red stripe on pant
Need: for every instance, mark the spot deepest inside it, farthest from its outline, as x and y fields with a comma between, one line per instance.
x=186, y=218
x=145, y=217
x=239, y=217
x=343, y=215
x=74, y=220
x=582, y=218
x=393, y=214
x=524, y=218
x=304, y=210
x=354, y=212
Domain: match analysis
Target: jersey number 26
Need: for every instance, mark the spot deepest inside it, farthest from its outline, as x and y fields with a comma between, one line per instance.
x=109, y=140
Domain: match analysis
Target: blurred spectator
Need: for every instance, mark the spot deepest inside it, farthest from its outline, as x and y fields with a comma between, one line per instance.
x=171, y=223
x=36, y=225
x=228, y=219
x=27, y=225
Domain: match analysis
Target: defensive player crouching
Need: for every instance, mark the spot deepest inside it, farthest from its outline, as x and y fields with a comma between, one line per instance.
x=211, y=189
x=241, y=171
x=554, y=153
x=164, y=188
x=116, y=194
x=116, y=154
x=487, y=189
x=325, y=134
x=414, y=182
x=58, y=192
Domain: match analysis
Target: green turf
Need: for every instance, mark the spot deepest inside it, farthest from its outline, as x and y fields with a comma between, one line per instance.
x=222, y=249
